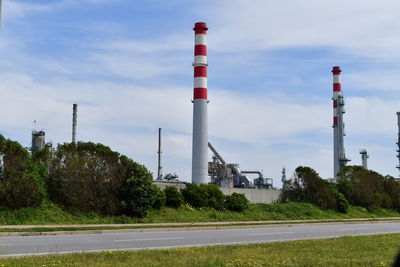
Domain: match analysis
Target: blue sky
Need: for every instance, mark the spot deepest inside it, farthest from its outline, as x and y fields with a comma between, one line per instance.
x=128, y=66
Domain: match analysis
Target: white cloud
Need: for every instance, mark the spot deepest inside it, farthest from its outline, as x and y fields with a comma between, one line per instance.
x=359, y=27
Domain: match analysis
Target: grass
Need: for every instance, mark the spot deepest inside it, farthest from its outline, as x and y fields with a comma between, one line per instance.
x=49, y=213
x=375, y=250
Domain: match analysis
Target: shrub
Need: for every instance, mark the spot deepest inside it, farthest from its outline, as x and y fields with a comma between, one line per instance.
x=342, y=205
x=195, y=196
x=21, y=180
x=368, y=189
x=174, y=198
x=90, y=177
x=138, y=193
x=236, y=202
x=86, y=177
x=215, y=197
x=307, y=186
x=159, y=199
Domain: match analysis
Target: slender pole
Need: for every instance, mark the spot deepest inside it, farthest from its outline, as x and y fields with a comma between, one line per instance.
x=159, y=169
x=74, y=121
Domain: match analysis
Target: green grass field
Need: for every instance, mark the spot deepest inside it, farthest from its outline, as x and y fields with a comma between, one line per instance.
x=376, y=250
x=51, y=214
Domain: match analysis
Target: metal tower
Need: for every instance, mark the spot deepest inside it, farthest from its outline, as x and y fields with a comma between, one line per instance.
x=364, y=158
x=339, y=157
x=200, y=136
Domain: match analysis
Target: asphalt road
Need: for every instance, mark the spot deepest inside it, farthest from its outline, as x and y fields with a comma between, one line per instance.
x=36, y=245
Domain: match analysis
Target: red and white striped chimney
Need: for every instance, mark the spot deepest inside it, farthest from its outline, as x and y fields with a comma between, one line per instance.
x=200, y=136
x=339, y=157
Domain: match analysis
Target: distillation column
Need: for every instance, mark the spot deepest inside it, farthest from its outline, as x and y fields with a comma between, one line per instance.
x=339, y=157
x=200, y=136
x=364, y=158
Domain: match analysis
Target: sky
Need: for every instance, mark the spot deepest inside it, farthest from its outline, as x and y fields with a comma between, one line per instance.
x=128, y=65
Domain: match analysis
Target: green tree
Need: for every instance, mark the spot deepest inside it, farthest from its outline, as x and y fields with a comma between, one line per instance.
x=215, y=197
x=236, y=202
x=138, y=192
x=21, y=180
x=308, y=186
x=90, y=177
x=369, y=189
x=195, y=196
x=174, y=198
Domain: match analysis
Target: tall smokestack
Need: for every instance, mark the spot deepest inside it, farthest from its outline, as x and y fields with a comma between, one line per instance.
x=200, y=137
x=74, y=121
x=339, y=157
x=159, y=168
x=364, y=158
x=398, y=140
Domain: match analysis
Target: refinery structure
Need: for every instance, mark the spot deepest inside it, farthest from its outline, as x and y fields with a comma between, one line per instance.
x=218, y=171
x=339, y=157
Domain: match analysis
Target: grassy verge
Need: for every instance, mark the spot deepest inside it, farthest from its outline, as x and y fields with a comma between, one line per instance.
x=376, y=250
x=52, y=214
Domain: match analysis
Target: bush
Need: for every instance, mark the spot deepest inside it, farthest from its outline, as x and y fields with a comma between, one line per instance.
x=174, y=198
x=195, y=196
x=236, y=202
x=21, y=180
x=307, y=186
x=215, y=197
x=342, y=205
x=159, y=199
x=138, y=193
x=369, y=189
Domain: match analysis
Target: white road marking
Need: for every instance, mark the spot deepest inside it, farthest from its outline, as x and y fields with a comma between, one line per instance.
x=352, y=229
x=149, y=239
x=4, y=245
x=276, y=233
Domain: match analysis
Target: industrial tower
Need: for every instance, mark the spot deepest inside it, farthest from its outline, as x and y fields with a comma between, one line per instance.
x=74, y=121
x=398, y=140
x=364, y=158
x=159, y=167
x=339, y=157
x=200, y=136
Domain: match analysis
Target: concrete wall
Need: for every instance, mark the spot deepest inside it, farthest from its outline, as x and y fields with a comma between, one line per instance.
x=266, y=196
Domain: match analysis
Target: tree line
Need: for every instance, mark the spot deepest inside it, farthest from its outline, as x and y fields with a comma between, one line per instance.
x=355, y=186
x=88, y=177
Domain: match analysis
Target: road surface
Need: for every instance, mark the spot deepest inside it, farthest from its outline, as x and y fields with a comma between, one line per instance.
x=37, y=245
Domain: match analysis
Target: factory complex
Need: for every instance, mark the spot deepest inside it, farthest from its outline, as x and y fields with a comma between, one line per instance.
x=228, y=176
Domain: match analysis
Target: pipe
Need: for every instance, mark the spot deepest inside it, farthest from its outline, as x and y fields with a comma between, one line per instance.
x=74, y=121
x=236, y=175
x=216, y=154
x=200, y=136
x=260, y=175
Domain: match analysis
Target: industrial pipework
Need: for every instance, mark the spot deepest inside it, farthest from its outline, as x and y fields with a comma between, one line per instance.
x=339, y=157
x=74, y=121
x=200, y=136
x=364, y=158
